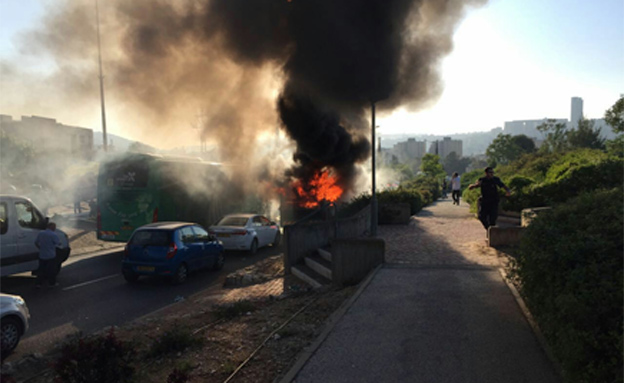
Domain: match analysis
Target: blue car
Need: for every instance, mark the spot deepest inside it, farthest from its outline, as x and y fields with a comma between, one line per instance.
x=170, y=249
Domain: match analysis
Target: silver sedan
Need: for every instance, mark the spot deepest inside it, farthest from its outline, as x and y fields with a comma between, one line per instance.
x=246, y=232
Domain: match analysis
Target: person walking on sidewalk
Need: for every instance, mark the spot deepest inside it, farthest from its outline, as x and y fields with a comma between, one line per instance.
x=47, y=242
x=488, y=206
x=456, y=187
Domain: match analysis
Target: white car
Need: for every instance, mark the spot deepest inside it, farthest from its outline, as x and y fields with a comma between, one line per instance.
x=13, y=323
x=246, y=232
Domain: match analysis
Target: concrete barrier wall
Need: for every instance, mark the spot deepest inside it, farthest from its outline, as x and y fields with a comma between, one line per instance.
x=504, y=236
x=394, y=213
x=355, y=226
x=302, y=240
x=354, y=258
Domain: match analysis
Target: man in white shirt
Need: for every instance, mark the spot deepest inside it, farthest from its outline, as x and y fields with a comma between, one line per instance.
x=456, y=188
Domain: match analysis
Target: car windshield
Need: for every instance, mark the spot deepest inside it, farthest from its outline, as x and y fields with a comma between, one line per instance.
x=232, y=221
x=150, y=238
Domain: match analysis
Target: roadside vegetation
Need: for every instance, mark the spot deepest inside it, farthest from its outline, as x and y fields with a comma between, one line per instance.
x=569, y=264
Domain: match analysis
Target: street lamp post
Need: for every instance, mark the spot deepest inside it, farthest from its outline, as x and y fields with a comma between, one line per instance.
x=104, y=138
x=374, y=209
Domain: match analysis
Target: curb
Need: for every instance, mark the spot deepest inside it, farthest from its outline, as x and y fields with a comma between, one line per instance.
x=307, y=352
x=532, y=323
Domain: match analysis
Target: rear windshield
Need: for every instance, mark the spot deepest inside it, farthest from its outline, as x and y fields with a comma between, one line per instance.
x=150, y=238
x=233, y=221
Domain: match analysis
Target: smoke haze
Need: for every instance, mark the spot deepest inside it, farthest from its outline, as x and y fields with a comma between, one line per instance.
x=311, y=67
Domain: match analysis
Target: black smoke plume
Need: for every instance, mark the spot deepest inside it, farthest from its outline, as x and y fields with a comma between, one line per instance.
x=332, y=59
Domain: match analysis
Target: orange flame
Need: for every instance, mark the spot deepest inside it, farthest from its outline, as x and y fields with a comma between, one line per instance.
x=322, y=187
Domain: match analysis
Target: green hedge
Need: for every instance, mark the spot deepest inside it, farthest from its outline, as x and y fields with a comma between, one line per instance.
x=570, y=266
x=565, y=183
x=418, y=192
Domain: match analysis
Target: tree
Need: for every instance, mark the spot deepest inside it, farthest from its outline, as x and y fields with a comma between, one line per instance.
x=430, y=165
x=615, y=116
x=507, y=148
x=555, y=132
x=404, y=172
x=585, y=136
x=454, y=163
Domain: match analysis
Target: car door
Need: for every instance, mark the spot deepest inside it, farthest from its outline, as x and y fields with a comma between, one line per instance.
x=190, y=251
x=256, y=223
x=268, y=231
x=29, y=223
x=8, y=238
x=206, y=248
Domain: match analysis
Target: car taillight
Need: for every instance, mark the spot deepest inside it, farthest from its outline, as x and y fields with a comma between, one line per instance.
x=240, y=232
x=99, y=220
x=155, y=215
x=173, y=249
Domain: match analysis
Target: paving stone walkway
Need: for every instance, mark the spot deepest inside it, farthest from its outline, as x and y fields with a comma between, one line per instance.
x=441, y=234
x=438, y=311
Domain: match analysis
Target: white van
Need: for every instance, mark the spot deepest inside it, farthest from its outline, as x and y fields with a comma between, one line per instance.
x=20, y=223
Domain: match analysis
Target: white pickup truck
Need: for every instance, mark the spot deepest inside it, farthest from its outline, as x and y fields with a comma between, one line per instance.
x=20, y=223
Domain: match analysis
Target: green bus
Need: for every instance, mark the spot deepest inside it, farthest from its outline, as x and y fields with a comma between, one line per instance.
x=135, y=189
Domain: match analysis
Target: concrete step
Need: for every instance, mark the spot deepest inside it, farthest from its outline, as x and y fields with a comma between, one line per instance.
x=320, y=265
x=325, y=254
x=309, y=276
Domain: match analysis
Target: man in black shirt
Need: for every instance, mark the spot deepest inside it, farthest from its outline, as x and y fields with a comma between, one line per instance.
x=488, y=209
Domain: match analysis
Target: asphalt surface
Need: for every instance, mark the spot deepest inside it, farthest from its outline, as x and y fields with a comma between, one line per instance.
x=438, y=311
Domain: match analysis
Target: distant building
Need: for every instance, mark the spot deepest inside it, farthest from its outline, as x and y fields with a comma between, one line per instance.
x=576, y=111
x=48, y=135
x=445, y=147
x=410, y=149
x=529, y=127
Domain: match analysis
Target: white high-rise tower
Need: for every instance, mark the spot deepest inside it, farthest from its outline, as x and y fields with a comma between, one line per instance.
x=576, y=112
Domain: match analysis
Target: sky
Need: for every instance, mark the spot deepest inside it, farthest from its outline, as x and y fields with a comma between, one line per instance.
x=512, y=60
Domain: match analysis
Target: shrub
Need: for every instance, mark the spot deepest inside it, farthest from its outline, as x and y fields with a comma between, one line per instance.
x=401, y=195
x=570, y=267
x=99, y=359
x=176, y=339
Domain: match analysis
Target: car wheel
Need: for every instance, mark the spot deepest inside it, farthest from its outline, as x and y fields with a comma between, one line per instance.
x=180, y=275
x=130, y=277
x=253, y=249
x=219, y=262
x=11, y=332
x=278, y=239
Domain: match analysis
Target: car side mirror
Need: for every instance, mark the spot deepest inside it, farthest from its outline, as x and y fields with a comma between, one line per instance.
x=212, y=237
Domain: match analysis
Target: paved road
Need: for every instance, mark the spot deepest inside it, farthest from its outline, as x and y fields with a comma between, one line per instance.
x=93, y=294
x=439, y=311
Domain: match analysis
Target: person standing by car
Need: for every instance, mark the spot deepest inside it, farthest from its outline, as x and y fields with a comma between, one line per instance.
x=47, y=242
x=488, y=207
x=456, y=187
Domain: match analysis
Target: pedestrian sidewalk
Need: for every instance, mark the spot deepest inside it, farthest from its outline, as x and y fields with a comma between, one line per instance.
x=437, y=311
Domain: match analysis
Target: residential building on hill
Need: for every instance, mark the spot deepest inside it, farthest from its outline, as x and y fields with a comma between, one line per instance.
x=48, y=135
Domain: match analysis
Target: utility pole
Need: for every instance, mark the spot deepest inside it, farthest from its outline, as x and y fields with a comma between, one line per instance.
x=374, y=195
x=104, y=138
